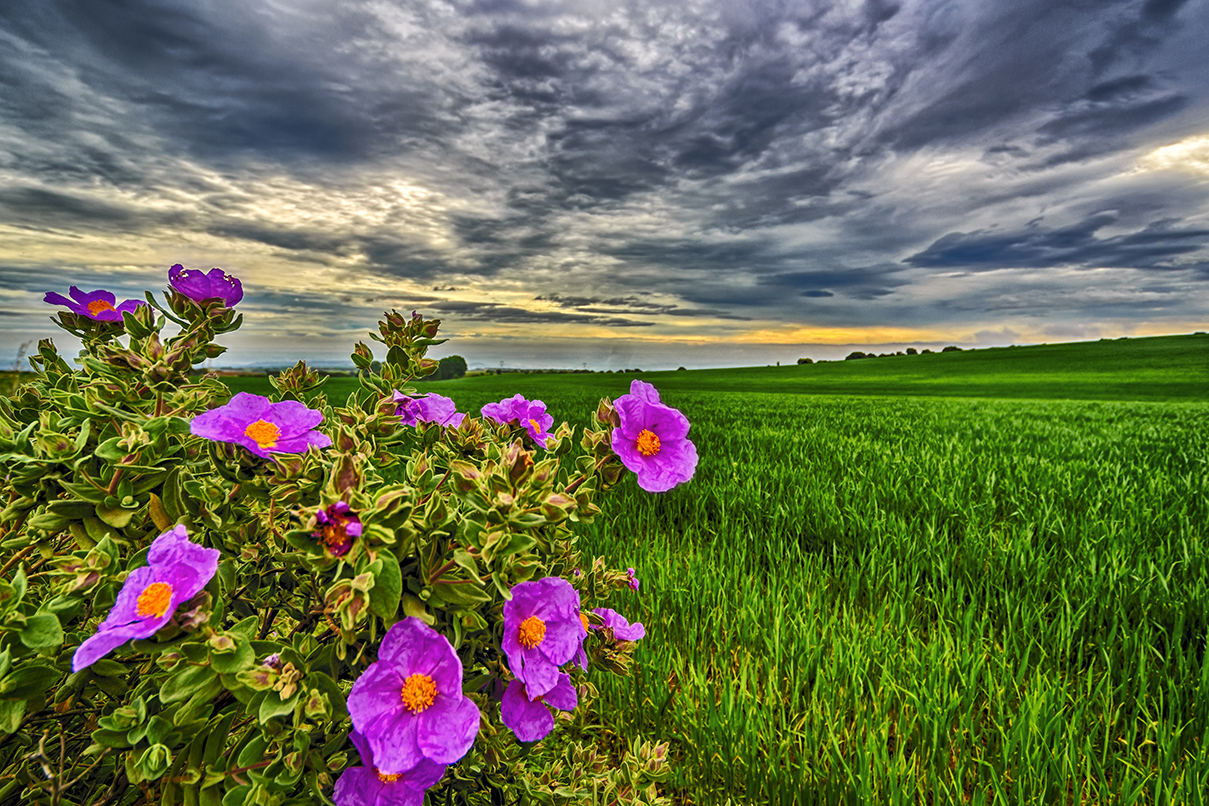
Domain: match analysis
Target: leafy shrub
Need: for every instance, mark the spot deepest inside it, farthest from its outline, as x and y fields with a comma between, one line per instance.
x=194, y=596
x=805, y=361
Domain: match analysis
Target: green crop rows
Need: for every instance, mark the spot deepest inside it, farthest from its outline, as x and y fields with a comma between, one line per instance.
x=897, y=600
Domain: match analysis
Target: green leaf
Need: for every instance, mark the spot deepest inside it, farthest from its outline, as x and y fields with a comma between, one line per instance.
x=109, y=450
x=384, y=596
x=28, y=681
x=41, y=632
x=110, y=738
x=469, y=595
x=48, y=522
x=11, y=712
x=272, y=706
x=232, y=662
x=183, y=684
x=117, y=517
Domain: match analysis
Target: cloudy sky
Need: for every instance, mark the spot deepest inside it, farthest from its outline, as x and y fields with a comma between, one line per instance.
x=616, y=184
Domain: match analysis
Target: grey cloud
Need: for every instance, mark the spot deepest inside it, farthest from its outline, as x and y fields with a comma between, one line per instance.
x=1153, y=247
x=494, y=312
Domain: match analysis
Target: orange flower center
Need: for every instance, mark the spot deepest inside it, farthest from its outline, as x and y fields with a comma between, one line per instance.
x=154, y=599
x=419, y=691
x=584, y=619
x=648, y=442
x=389, y=777
x=97, y=306
x=263, y=433
x=532, y=631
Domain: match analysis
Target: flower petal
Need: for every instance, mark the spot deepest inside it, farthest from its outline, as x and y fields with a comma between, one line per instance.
x=531, y=721
x=563, y=639
x=376, y=693
x=360, y=786
x=447, y=728
x=392, y=737
x=563, y=696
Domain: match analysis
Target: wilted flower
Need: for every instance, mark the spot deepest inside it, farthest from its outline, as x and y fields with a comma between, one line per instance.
x=430, y=409
x=516, y=410
x=176, y=571
x=97, y=304
x=200, y=286
x=409, y=703
x=262, y=427
x=371, y=786
x=542, y=631
x=530, y=719
x=622, y=629
x=652, y=440
x=338, y=525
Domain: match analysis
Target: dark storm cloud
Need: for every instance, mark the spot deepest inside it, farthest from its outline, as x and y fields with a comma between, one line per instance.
x=739, y=161
x=494, y=312
x=1156, y=246
x=632, y=305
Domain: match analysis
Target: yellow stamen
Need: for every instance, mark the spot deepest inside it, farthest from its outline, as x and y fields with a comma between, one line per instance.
x=154, y=600
x=536, y=427
x=419, y=691
x=648, y=442
x=532, y=631
x=583, y=618
x=389, y=777
x=97, y=306
x=263, y=433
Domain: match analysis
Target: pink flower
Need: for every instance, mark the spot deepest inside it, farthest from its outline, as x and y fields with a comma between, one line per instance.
x=652, y=440
x=262, y=427
x=409, y=703
x=98, y=305
x=542, y=631
x=516, y=410
x=176, y=571
x=430, y=409
x=529, y=718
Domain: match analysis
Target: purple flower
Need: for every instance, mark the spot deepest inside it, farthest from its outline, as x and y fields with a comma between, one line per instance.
x=652, y=440
x=260, y=426
x=409, y=703
x=531, y=414
x=97, y=304
x=430, y=409
x=622, y=629
x=542, y=631
x=200, y=286
x=633, y=583
x=338, y=525
x=530, y=719
x=370, y=786
x=176, y=571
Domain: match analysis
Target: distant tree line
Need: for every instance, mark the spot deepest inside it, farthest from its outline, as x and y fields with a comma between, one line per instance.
x=857, y=354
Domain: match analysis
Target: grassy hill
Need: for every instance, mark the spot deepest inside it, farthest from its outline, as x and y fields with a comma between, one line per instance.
x=1156, y=368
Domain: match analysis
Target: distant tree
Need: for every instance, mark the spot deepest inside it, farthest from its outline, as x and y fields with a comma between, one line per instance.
x=854, y=355
x=805, y=360
x=899, y=352
x=679, y=368
x=926, y=352
x=952, y=348
x=911, y=351
x=453, y=366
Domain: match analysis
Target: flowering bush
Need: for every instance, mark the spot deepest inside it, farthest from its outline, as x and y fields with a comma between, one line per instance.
x=207, y=599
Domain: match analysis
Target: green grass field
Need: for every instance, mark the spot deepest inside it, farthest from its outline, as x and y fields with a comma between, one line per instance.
x=921, y=599
x=1158, y=368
